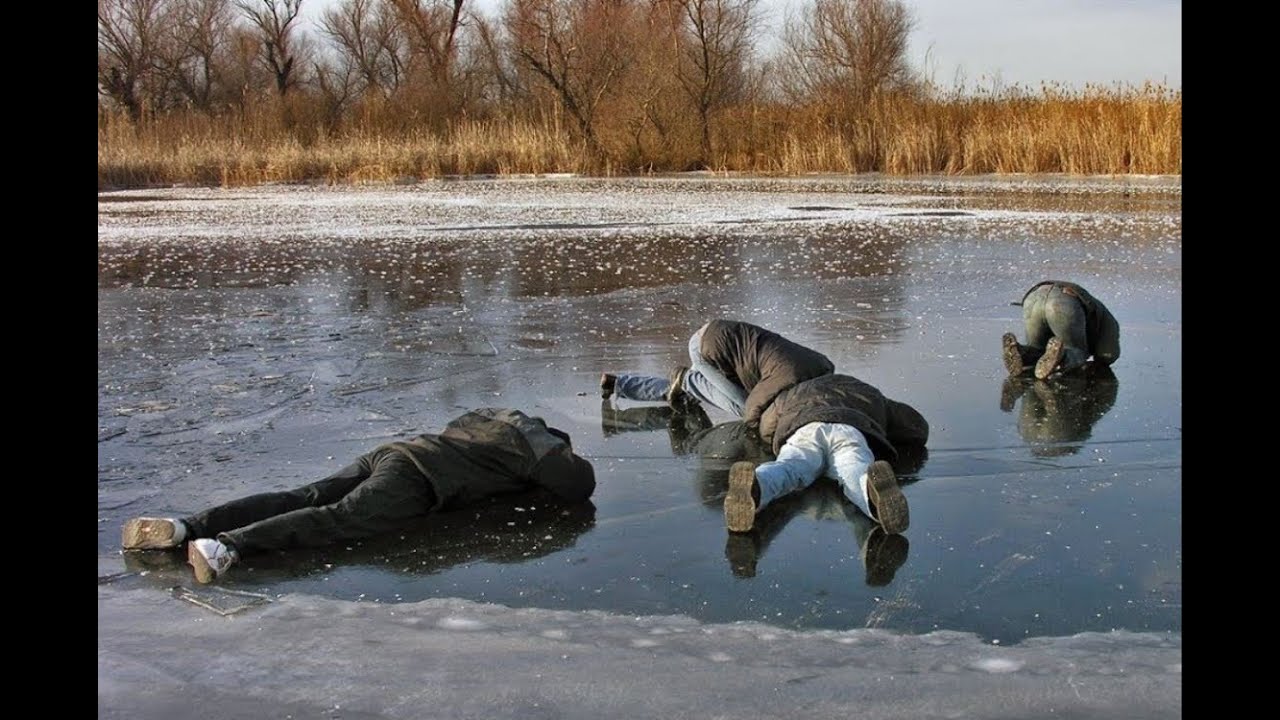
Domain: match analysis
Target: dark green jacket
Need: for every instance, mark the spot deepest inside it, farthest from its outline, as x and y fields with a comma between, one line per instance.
x=495, y=451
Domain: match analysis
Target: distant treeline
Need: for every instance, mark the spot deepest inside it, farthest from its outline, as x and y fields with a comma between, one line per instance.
x=237, y=92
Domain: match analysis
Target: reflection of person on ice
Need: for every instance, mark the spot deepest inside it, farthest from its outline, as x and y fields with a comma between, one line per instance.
x=833, y=426
x=483, y=453
x=1066, y=327
x=735, y=366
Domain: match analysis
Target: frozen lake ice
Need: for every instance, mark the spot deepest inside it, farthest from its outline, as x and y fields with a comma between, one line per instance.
x=257, y=339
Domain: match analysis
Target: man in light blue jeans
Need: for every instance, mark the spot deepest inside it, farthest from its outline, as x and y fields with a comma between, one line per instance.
x=733, y=365
x=700, y=381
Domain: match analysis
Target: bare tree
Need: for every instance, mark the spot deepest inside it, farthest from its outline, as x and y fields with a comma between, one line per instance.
x=848, y=50
x=337, y=84
x=714, y=49
x=194, y=51
x=128, y=37
x=579, y=47
x=490, y=62
x=432, y=27
x=367, y=37
x=275, y=22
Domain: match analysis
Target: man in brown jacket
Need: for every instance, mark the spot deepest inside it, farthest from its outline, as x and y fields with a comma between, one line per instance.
x=735, y=366
x=835, y=426
x=483, y=453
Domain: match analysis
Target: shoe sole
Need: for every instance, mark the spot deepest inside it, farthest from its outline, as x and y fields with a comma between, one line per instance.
x=1012, y=354
x=147, y=534
x=739, y=506
x=205, y=573
x=887, y=498
x=1049, y=361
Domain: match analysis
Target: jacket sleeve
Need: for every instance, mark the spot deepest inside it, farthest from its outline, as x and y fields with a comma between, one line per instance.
x=904, y=424
x=762, y=395
x=565, y=474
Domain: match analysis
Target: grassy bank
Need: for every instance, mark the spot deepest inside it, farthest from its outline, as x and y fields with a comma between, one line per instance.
x=1094, y=131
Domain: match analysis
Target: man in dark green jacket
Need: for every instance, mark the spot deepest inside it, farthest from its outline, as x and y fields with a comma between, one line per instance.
x=1066, y=326
x=835, y=426
x=486, y=452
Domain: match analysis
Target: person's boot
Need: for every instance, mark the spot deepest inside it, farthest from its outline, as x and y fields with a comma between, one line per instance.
x=676, y=396
x=885, y=553
x=743, y=498
x=1012, y=354
x=887, y=500
x=148, y=533
x=1052, y=358
x=209, y=558
x=607, y=383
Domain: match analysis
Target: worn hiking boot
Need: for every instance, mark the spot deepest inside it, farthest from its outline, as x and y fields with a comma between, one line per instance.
x=1012, y=354
x=607, y=383
x=146, y=533
x=743, y=498
x=884, y=554
x=887, y=500
x=1052, y=358
x=676, y=396
x=210, y=558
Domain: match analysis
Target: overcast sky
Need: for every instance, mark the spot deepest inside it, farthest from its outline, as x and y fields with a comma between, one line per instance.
x=1022, y=42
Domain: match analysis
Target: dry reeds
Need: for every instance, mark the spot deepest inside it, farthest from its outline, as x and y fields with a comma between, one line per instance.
x=1119, y=130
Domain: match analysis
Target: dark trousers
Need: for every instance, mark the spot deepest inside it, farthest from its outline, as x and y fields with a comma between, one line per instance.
x=381, y=491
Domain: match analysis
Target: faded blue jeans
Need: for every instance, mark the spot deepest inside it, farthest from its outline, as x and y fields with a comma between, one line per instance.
x=819, y=449
x=1049, y=311
x=703, y=381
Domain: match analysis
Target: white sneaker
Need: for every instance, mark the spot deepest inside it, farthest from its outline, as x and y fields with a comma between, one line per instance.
x=147, y=533
x=210, y=558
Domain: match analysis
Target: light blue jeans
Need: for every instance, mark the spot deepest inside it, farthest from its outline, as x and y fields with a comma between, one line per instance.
x=817, y=450
x=703, y=381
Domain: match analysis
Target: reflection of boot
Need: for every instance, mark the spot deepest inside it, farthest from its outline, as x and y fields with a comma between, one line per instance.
x=884, y=554
x=744, y=495
x=609, y=421
x=1012, y=354
x=684, y=423
x=742, y=550
x=1048, y=396
x=151, y=560
x=1010, y=391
